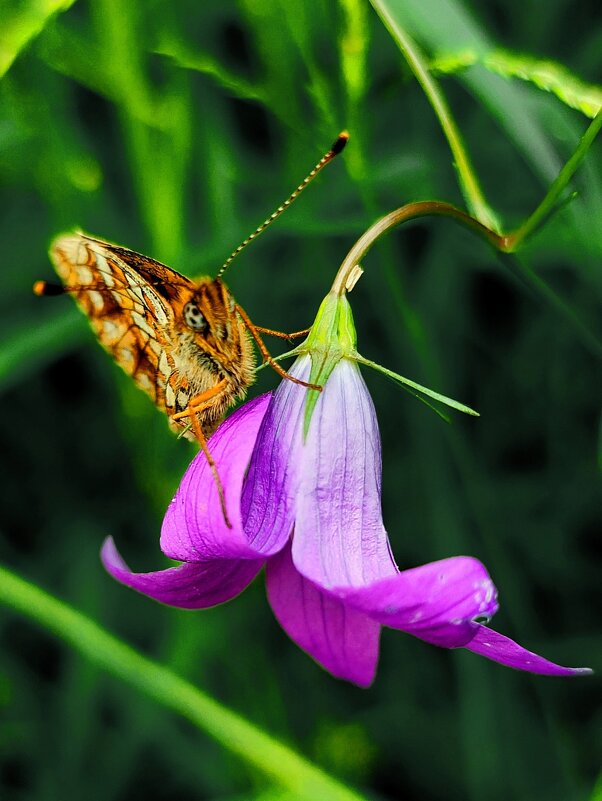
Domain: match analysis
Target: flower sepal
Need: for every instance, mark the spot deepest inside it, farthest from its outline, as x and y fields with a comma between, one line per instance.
x=332, y=337
x=418, y=391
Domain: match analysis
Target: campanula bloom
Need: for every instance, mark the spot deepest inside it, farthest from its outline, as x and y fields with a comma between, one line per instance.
x=301, y=472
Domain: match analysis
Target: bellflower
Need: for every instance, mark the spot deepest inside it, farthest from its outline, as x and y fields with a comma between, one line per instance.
x=301, y=472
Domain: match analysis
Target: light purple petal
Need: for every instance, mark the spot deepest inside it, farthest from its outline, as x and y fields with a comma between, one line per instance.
x=194, y=585
x=495, y=646
x=268, y=497
x=342, y=640
x=435, y=602
x=194, y=528
x=340, y=540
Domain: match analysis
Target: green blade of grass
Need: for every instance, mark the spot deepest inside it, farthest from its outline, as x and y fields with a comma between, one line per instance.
x=18, y=29
x=258, y=749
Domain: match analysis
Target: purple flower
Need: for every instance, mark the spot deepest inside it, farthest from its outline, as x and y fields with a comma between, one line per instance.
x=303, y=495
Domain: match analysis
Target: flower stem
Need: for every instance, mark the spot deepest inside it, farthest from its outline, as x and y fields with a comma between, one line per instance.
x=350, y=269
x=344, y=279
x=468, y=180
x=505, y=243
x=290, y=770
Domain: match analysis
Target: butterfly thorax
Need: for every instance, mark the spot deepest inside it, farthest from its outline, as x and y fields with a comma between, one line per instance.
x=211, y=345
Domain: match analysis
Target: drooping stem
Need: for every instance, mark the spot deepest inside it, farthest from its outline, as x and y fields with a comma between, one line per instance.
x=347, y=274
x=350, y=270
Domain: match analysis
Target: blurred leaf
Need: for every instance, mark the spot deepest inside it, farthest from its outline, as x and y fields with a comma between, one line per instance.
x=78, y=57
x=249, y=742
x=445, y=25
x=597, y=791
x=201, y=62
x=30, y=346
x=546, y=75
x=22, y=24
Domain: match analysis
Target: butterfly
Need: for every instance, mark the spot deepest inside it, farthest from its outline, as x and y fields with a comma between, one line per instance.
x=185, y=342
x=180, y=340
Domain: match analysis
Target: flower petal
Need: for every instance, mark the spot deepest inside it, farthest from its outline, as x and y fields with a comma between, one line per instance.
x=339, y=638
x=268, y=496
x=436, y=602
x=194, y=528
x=194, y=585
x=340, y=540
x=495, y=646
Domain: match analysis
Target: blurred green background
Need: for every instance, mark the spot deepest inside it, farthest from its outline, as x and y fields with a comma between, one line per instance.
x=174, y=128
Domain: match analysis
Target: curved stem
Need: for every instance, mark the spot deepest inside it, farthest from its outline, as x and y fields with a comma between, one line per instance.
x=350, y=269
x=347, y=274
x=290, y=770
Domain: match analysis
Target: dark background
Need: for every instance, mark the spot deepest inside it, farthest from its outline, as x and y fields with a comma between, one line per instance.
x=181, y=158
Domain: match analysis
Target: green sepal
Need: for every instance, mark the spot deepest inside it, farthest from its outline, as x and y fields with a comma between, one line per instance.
x=409, y=385
x=332, y=338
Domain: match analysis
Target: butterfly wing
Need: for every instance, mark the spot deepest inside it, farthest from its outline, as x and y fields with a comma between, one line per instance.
x=129, y=300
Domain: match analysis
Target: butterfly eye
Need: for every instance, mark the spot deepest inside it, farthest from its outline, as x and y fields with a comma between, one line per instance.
x=193, y=317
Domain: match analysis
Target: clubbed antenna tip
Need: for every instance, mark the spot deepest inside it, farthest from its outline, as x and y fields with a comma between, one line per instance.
x=43, y=288
x=340, y=143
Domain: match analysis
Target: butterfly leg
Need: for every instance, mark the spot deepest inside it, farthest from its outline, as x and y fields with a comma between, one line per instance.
x=266, y=354
x=201, y=402
x=195, y=406
x=281, y=334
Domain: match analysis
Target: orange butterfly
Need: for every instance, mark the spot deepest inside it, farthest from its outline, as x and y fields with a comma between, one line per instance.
x=185, y=342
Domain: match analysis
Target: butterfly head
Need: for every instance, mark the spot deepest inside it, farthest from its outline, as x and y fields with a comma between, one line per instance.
x=208, y=314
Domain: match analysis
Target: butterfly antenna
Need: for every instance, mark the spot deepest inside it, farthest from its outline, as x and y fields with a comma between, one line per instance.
x=336, y=148
x=48, y=289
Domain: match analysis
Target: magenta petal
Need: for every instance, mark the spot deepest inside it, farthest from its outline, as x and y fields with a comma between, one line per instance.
x=194, y=585
x=340, y=540
x=194, y=528
x=342, y=640
x=436, y=602
x=495, y=646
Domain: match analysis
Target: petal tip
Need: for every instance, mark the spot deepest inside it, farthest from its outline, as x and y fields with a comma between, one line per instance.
x=499, y=648
x=109, y=555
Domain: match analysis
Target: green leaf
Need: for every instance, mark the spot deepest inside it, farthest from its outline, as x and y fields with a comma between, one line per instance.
x=24, y=24
x=545, y=74
x=446, y=25
x=201, y=62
